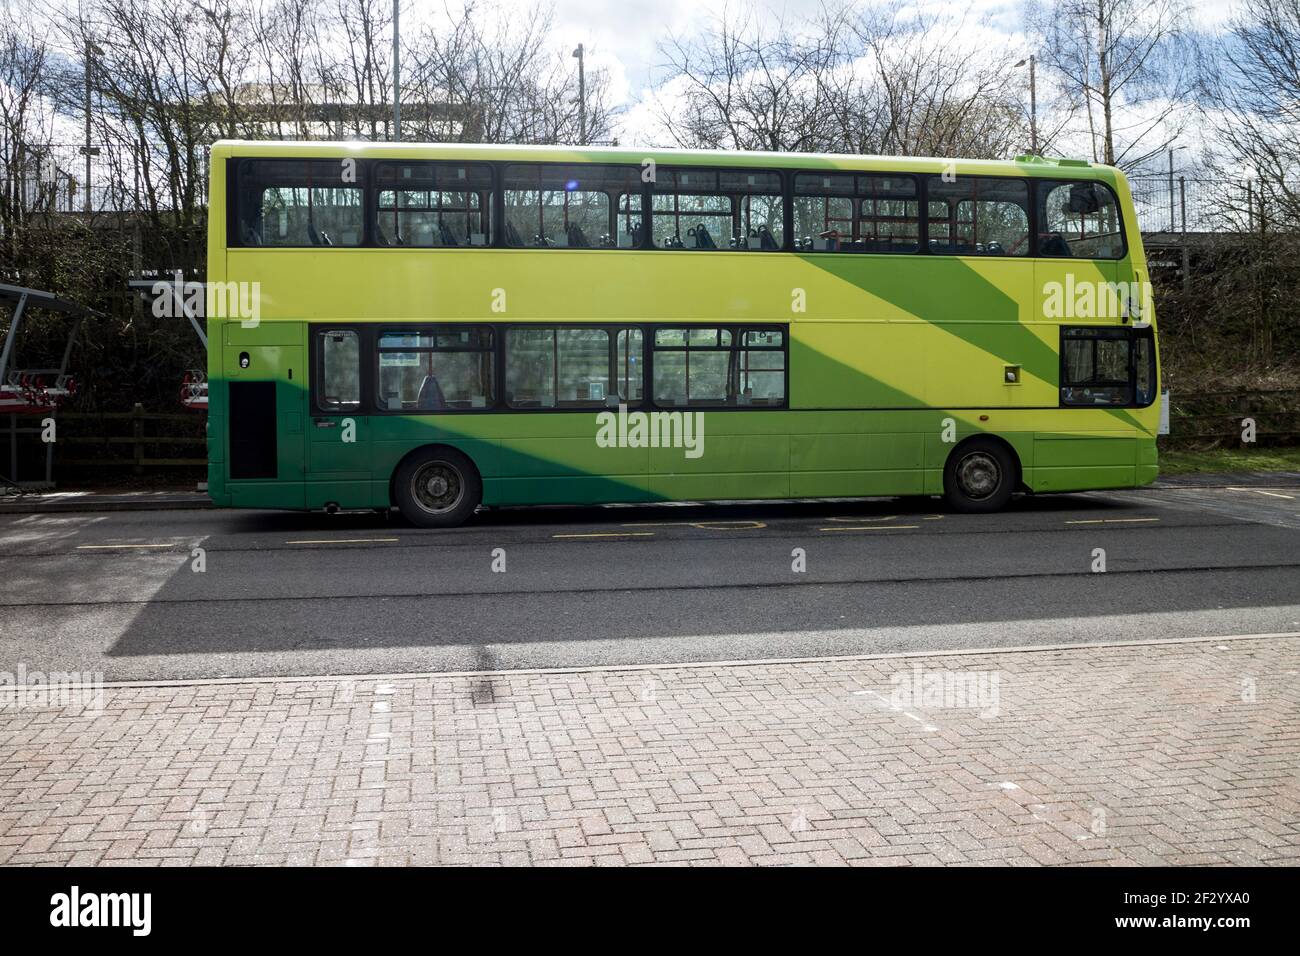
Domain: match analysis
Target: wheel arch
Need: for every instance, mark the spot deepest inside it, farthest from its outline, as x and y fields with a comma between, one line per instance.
x=419, y=449
x=1019, y=481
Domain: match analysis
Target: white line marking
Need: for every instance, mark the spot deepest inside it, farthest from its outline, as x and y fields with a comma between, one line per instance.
x=1112, y=521
x=887, y=527
x=103, y=547
x=609, y=534
x=344, y=541
x=1271, y=494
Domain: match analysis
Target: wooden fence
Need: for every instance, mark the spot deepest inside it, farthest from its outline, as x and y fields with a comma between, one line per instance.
x=1218, y=418
x=100, y=438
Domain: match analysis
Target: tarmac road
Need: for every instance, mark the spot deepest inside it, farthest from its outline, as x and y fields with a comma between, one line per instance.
x=291, y=594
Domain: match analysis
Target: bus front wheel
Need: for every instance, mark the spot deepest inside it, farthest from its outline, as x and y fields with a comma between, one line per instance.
x=979, y=477
x=437, y=488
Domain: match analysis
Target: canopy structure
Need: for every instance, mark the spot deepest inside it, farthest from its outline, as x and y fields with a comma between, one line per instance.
x=35, y=391
x=194, y=385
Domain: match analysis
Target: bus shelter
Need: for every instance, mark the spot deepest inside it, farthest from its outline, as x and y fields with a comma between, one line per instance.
x=30, y=391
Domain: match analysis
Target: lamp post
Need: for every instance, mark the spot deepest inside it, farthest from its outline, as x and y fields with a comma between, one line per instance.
x=1033, y=103
x=87, y=149
x=582, y=98
x=397, y=76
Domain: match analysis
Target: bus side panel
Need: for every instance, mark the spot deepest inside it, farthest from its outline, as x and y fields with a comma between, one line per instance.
x=1083, y=462
x=847, y=454
x=266, y=354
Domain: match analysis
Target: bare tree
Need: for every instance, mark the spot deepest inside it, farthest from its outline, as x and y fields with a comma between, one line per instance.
x=24, y=124
x=857, y=80
x=1127, y=66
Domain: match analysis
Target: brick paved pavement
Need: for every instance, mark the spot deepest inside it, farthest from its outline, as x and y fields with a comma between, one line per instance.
x=1182, y=753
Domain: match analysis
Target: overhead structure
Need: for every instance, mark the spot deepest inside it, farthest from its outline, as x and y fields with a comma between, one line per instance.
x=194, y=384
x=35, y=391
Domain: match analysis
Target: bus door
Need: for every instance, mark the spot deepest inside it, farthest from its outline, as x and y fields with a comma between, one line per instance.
x=265, y=372
x=339, y=439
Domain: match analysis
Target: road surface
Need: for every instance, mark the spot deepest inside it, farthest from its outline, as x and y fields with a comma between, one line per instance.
x=290, y=594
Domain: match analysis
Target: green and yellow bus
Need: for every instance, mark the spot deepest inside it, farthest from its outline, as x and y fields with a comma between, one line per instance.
x=439, y=327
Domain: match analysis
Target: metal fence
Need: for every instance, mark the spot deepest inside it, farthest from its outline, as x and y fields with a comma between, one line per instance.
x=51, y=177
x=1176, y=204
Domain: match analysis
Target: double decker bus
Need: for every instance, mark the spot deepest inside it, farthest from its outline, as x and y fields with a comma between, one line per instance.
x=439, y=327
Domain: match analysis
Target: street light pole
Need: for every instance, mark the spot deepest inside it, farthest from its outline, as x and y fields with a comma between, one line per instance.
x=1033, y=102
x=91, y=50
x=397, y=75
x=582, y=98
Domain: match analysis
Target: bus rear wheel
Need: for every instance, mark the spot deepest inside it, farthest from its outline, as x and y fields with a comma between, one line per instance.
x=979, y=477
x=437, y=488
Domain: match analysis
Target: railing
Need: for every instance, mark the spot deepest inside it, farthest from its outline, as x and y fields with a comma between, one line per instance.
x=1216, y=418
x=1201, y=205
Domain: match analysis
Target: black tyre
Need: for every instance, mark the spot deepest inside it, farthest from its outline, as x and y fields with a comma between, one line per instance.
x=437, y=488
x=979, y=477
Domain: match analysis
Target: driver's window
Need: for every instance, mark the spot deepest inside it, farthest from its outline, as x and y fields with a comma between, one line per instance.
x=1079, y=221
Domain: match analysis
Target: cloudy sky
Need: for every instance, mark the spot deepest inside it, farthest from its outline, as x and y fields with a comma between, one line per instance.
x=623, y=36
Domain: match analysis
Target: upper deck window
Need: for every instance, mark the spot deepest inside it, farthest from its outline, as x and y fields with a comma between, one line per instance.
x=1079, y=220
x=978, y=216
x=711, y=209
x=847, y=212
x=433, y=204
x=296, y=202
x=576, y=207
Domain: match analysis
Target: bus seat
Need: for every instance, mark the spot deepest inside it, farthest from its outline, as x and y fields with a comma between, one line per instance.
x=430, y=395
x=512, y=235
x=448, y=237
x=766, y=239
x=1054, y=244
x=702, y=238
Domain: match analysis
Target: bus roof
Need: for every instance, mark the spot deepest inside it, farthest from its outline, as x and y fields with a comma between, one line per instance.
x=1020, y=166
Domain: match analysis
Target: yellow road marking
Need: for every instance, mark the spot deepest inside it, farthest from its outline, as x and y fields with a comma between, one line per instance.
x=344, y=541
x=102, y=547
x=890, y=527
x=860, y=520
x=1271, y=494
x=609, y=534
x=702, y=525
x=1113, y=521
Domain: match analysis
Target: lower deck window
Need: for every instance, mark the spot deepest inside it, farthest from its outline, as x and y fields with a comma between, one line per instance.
x=719, y=367
x=573, y=367
x=436, y=369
